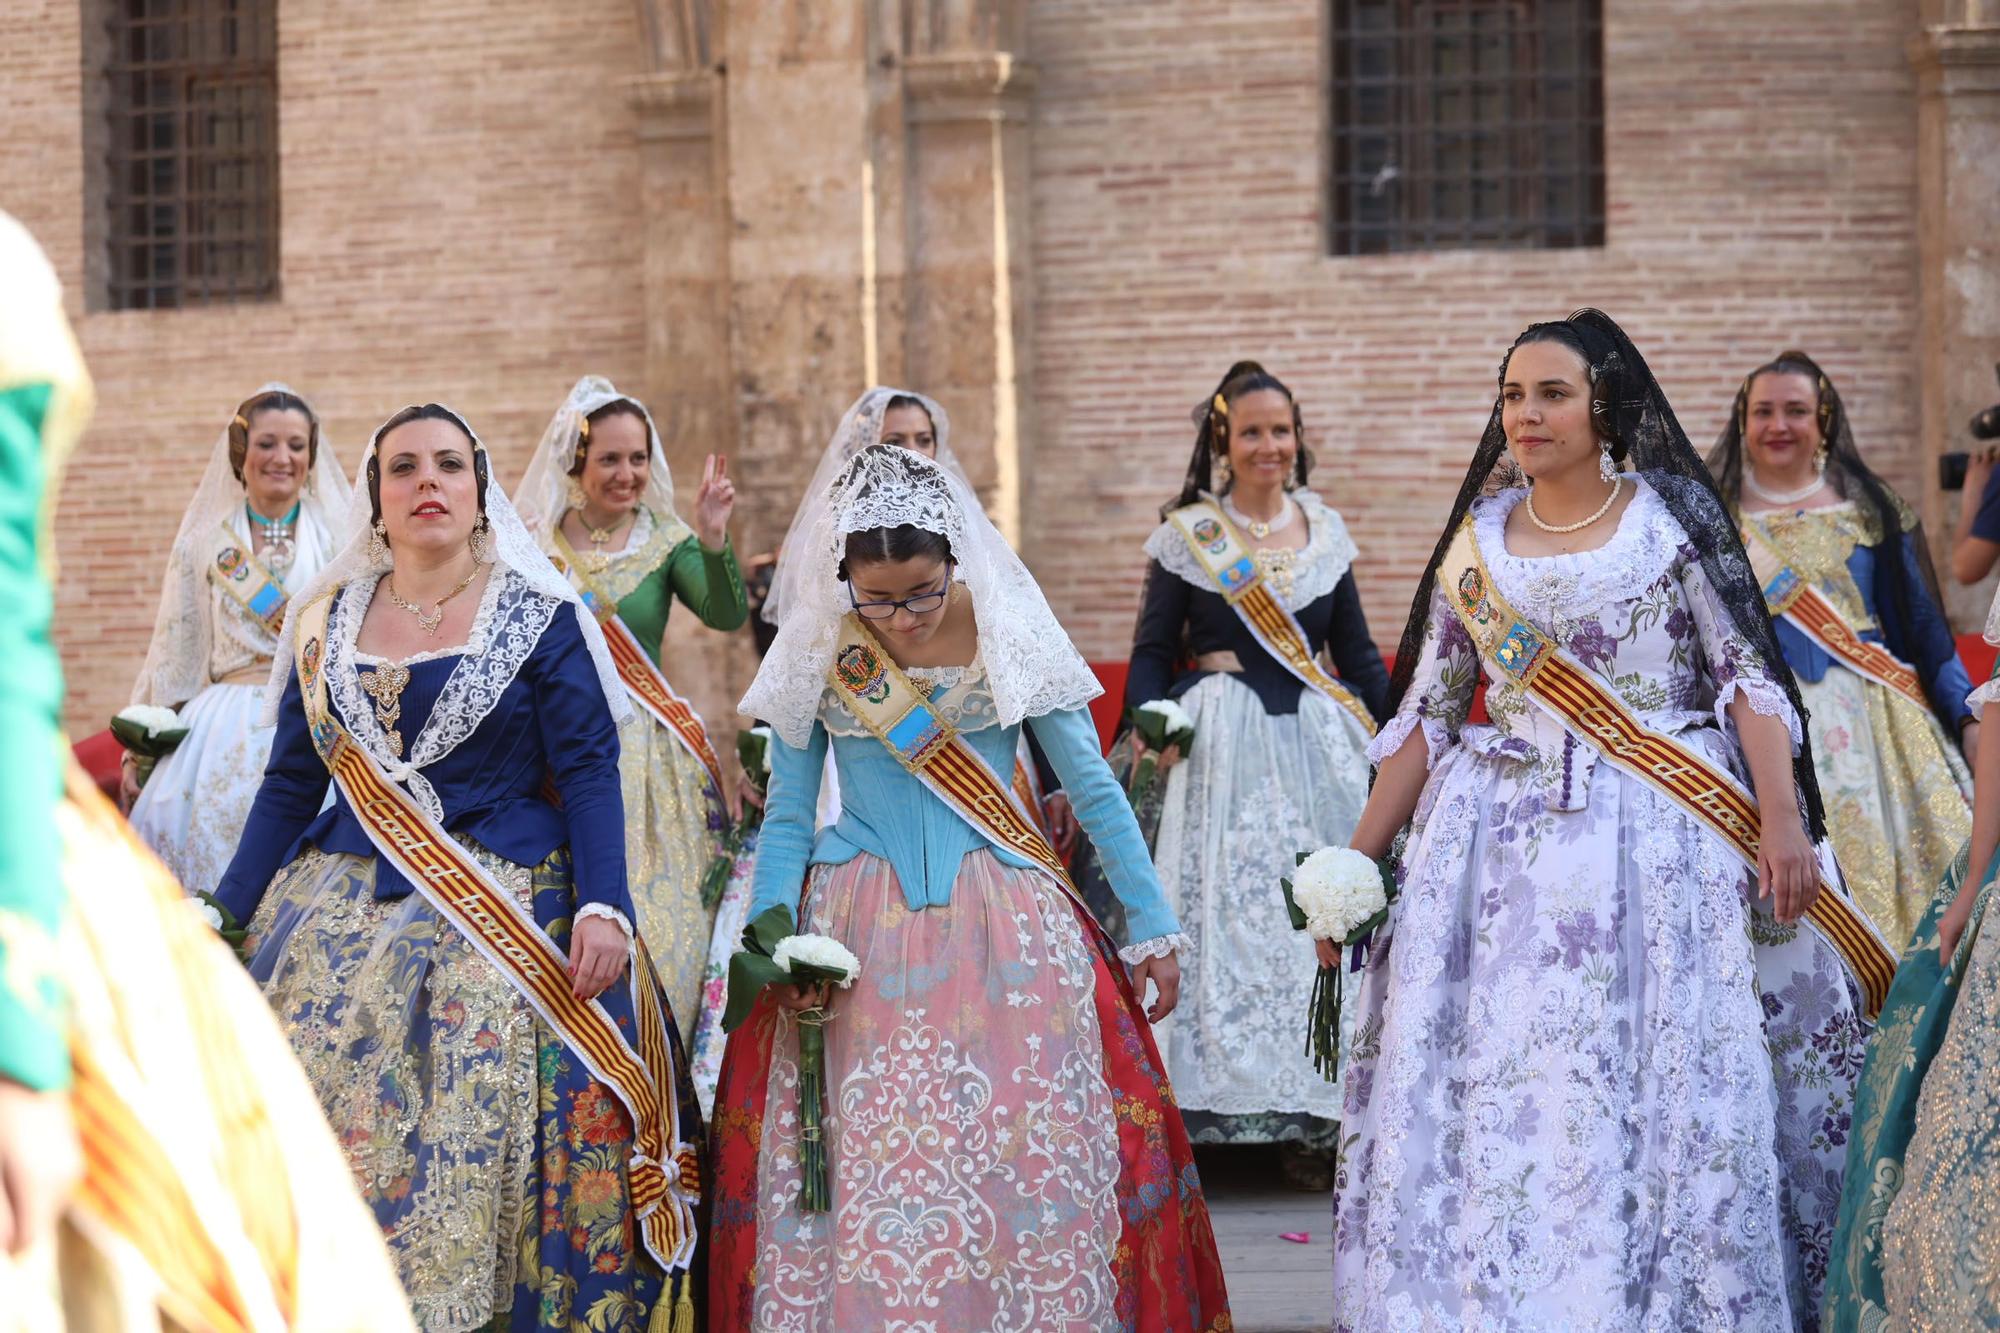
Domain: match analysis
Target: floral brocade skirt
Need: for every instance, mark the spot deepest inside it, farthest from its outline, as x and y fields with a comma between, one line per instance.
x=672, y=822
x=1897, y=795
x=731, y=915
x=1005, y=1151
x=495, y=1165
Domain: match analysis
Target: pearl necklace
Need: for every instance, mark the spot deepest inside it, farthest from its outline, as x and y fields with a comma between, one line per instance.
x=1751, y=485
x=1617, y=486
x=1258, y=528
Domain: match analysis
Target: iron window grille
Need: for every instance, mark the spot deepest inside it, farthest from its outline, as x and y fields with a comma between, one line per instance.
x=1466, y=124
x=190, y=152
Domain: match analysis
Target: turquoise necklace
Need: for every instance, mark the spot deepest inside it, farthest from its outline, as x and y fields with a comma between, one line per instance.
x=279, y=546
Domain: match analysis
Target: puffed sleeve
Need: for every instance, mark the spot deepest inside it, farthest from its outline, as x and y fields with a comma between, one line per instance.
x=1354, y=652
x=1102, y=808
x=581, y=742
x=1156, y=638
x=1735, y=665
x=294, y=788
x=1441, y=688
x=34, y=1042
x=791, y=803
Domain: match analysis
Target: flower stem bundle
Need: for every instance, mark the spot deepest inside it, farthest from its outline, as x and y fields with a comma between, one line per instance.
x=1159, y=724
x=1341, y=895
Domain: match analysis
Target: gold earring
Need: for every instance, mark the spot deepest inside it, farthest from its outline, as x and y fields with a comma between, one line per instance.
x=575, y=493
x=481, y=540
x=378, y=544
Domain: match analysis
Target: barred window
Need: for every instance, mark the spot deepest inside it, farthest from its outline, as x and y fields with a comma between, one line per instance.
x=1460, y=124
x=189, y=152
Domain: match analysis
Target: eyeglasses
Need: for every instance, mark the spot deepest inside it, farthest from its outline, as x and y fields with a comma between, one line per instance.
x=922, y=604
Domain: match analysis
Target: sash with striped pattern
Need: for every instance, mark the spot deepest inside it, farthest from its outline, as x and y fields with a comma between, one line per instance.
x=463, y=893
x=1593, y=712
x=1787, y=593
x=643, y=680
x=1223, y=553
x=873, y=688
x=239, y=572
x=1028, y=786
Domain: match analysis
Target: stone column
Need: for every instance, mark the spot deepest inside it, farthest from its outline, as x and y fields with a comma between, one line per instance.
x=970, y=296
x=1958, y=210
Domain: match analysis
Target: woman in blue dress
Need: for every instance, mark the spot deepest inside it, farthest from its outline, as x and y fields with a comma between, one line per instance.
x=444, y=649
x=1005, y=1151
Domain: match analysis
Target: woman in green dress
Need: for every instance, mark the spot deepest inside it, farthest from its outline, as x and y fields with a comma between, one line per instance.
x=1912, y=1246
x=599, y=498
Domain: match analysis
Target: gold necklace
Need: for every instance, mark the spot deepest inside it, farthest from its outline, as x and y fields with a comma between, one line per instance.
x=430, y=624
x=1578, y=526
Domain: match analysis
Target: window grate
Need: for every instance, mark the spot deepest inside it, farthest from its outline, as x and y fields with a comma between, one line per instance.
x=191, y=152
x=1465, y=124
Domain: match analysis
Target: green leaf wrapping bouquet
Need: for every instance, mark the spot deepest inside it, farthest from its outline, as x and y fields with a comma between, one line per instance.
x=774, y=955
x=149, y=733
x=1158, y=724
x=753, y=751
x=1341, y=895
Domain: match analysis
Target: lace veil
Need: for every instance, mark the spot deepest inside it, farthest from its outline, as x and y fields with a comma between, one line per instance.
x=1031, y=665
x=1849, y=474
x=513, y=548
x=544, y=490
x=1631, y=410
x=860, y=427
x=177, y=658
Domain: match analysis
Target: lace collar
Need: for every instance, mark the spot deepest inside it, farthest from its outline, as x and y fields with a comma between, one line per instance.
x=1317, y=568
x=1646, y=545
x=648, y=544
x=961, y=695
x=511, y=619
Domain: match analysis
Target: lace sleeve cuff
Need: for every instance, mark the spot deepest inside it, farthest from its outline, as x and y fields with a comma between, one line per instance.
x=1157, y=947
x=1984, y=695
x=609, y=913
x=1764, y=697
x=1397, y=730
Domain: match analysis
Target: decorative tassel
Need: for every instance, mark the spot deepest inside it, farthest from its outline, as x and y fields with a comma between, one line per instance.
x=674, y=1311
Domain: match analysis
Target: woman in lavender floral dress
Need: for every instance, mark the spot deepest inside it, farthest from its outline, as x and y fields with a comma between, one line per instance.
x=1601, y=1075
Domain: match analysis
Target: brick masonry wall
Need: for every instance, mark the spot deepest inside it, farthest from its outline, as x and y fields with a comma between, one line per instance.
x=1761, y=195
x=460, y=223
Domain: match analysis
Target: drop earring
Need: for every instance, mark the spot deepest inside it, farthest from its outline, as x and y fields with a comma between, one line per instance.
x=481, y=540
x=1606, y=469
x=378, y=544
x=575, y=494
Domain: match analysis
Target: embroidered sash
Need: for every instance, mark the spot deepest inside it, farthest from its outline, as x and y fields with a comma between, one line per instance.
x=1233, y=569
x=644, y=681
x=873, y=688
x=239, y=572
x=1791, y=595
x=463, y=893
x=1028, y=786
x=1593, y=712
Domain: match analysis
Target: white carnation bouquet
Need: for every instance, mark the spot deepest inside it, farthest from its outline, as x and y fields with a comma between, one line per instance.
x=1342, y=895
x=772, y=954
x=149, y=733
x=1161, y=723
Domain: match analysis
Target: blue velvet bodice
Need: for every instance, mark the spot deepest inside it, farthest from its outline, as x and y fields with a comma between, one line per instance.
x=549, y=730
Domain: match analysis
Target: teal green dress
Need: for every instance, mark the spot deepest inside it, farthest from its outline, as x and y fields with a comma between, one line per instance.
x=1909, y=1038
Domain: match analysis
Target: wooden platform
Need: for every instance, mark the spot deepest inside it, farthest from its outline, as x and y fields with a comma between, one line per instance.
x=1275, y=1285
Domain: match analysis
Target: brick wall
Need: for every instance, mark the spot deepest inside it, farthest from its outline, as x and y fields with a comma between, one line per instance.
x=460, y=222
x=1761, y=194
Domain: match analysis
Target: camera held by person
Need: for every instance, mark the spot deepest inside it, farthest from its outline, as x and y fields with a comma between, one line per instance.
x=1974, y=476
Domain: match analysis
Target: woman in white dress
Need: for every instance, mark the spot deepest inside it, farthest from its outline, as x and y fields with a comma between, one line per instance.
x=260, y=524
x=1604, y=1055
x=1279, y=765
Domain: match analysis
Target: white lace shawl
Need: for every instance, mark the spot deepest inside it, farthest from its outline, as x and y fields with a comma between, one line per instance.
x=512, y=550
x=860, y=427
x=1317, y=569
x=543, y=495
x=180, y=655
x=1031, y=666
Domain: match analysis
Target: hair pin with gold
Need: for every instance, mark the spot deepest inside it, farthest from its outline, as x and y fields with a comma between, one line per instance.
x=1221, y=405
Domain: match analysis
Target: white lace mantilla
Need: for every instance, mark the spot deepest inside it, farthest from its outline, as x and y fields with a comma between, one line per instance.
x=511, y=619
x=1317, y=569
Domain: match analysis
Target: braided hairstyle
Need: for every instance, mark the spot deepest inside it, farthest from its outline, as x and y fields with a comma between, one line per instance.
x=1211, y=437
